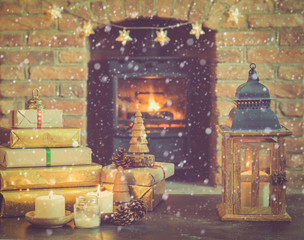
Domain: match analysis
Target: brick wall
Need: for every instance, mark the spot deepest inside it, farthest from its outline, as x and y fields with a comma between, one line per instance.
x=35, y=52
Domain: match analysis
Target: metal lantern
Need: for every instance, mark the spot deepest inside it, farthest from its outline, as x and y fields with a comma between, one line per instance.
x=35, y=102
x=253, y=157
x=252, y=106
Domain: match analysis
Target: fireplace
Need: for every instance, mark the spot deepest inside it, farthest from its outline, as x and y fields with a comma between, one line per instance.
x=172, y=89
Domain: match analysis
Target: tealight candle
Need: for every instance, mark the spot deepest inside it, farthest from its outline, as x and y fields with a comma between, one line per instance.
x=105, y=200
x=51, y=206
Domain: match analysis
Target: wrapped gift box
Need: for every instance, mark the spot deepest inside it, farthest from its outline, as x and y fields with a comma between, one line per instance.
x=18, y=203
x=40, y=157
x=140, y=176
x=36, y=118
x=150, y=195
x=147, y=184
x=50, y=177
x=35, y=138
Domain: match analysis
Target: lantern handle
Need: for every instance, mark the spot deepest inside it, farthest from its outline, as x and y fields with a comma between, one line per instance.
x=253, y=65
x=37, y=93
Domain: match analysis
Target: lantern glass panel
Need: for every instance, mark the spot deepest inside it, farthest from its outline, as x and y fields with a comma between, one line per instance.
x=255, y=162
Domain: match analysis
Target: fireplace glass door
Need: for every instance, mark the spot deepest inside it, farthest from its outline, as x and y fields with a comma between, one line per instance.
x=161, y=100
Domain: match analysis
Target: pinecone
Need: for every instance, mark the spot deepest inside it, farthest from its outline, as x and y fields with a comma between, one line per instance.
x=123, y=216
x=119, y=158
x=137, y=208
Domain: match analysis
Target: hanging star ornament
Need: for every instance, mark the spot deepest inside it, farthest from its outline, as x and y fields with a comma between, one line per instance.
x=54, y=13
x=124, y=37
x=197, y=30
x=234, y=16
x=162, y=37
x=87, y=29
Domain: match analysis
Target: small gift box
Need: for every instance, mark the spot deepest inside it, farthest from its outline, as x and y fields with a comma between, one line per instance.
x=36, y=118
x=36, y=138
x=50, y=177
x=147, y=184
x=44, y=157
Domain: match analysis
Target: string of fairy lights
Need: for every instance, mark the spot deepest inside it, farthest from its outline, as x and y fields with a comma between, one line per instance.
x=55, y=13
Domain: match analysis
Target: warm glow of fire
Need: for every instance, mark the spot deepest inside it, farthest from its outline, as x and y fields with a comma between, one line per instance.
x=153, y=106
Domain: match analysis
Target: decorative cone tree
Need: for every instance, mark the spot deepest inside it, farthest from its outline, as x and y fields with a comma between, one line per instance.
x=120, y=189
x=139, y=145
x=138, y=142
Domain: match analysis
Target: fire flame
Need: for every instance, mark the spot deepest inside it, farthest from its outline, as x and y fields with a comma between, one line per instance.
x=153, y=106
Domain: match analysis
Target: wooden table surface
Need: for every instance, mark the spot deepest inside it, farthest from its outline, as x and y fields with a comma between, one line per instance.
x=182, y=217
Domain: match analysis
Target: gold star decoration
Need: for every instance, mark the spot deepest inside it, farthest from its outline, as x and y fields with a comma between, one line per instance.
x=54, y=13
x=162, y=37
x=87, y=29
x=197, y=30
x=124, y=37
x=234, y=16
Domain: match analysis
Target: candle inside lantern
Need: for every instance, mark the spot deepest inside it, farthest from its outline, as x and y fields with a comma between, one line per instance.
x=105, y=200
x=51, y=206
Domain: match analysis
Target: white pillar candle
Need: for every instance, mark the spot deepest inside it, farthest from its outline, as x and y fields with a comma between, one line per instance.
x=105, y=200
x=51, y=206
x=246, y=191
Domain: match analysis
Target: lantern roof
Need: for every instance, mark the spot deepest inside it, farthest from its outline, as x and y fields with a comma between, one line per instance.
x=251, y=109
x=252, y=89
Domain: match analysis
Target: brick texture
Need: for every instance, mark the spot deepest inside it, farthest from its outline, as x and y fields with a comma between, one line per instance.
x=276, y=55
x=55, y=40
x=26, y=57
x=68, y=107
x=10, y=8
x=25, y=90
x=58, y=73
x=244, y=38
x=275, y=20
x=11, y=72
x=291, y=73
x=73, y=90
x=237, y=73
x=11, y=40
x=68, y=22
x=294, y=38
x=68, y=56
x=25, y=23
x=231, y=55
x=181, y=9
x=132, y=10
x=10, y=104
x=292, y=109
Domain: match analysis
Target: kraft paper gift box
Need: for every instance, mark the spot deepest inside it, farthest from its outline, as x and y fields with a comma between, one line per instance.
x=147, y=184
x=36, y=118
x=18, y=203
x=50, y=177
x=41, y=157
x=151, y=195
x=36, y=138
x=140, y=176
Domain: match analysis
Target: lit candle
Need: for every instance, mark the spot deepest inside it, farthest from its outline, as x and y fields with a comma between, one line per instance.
x=51, y=206
x=246, y=191
x=105, y=200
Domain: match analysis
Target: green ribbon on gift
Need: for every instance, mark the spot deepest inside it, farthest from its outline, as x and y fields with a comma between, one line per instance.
x=48, y=157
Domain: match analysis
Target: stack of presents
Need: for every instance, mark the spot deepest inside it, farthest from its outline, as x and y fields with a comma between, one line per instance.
x=38, y=155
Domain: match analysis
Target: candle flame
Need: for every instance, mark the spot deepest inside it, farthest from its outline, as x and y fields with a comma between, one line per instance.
x=247, y=164
x=98, y=188
x=51, y=195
